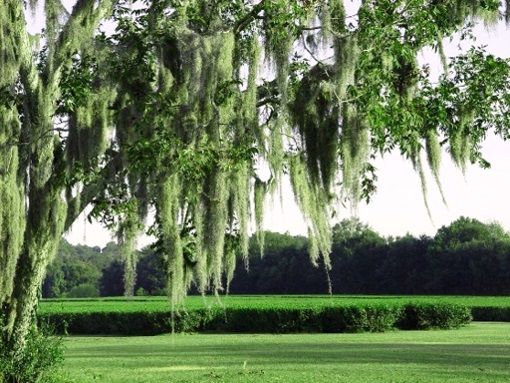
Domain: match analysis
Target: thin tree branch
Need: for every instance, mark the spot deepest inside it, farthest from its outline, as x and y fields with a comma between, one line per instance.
x=312, y=55
x=253, y=14
x=308, y=28
x=91, y=190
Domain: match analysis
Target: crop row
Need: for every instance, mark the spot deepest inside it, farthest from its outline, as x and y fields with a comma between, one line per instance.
x=161, y=304
x=332, y=319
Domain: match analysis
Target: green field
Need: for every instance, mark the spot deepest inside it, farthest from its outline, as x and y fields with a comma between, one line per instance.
x=159, y=304
x=479, y=352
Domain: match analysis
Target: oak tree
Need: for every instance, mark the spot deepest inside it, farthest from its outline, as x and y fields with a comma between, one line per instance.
x=182, y=106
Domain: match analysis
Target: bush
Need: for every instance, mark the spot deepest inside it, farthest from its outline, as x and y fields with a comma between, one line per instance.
x=360, y=318
x=267, y=320
x=113, y=323
x=85, y=290
x=434, y=316
x=42, y=354
x=200, y=320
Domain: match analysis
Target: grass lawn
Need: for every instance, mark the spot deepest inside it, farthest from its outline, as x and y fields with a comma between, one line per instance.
x=479, y=352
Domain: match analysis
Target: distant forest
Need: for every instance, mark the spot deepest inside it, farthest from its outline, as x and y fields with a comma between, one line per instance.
x=467, y=257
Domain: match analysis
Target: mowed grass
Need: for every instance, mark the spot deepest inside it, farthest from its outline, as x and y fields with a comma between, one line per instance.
x=161, y=304
x=479, y=352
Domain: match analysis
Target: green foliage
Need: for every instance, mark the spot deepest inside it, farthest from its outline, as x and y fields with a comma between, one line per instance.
x=320, y=120
x=350, y=233
x=467, y=231
x=435, y=316
x=262, y=315
x=467, y=257
x=73, y=266
x=150, y=273
x=174, y=111
x=361, y=319
x=193, y=302
x=42, y=353
x=127, y=233
x=84, y=290
x=76, y=83
x=111, y=281
x=104, y=323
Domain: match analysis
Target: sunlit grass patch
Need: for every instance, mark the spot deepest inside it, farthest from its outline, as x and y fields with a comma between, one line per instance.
x=479, y=352
x=173, y=368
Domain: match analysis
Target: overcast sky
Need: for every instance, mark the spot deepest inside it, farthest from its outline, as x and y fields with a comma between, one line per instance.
x=398, y=207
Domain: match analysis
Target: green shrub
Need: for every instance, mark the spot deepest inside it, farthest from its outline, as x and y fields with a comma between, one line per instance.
x=383, y=318
x=434, y=316
x=43, y=353
x=343, y=319
x=267, y=320
x=85, y=290
x=360, y=318
x=199, y=320
x=331, y=319
x=113, y=323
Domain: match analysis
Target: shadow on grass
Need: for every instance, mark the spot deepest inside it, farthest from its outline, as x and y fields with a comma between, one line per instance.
x=303, y=353
x=441, y=356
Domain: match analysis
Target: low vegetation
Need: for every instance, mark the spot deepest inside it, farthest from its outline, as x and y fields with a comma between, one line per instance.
x=253, y=314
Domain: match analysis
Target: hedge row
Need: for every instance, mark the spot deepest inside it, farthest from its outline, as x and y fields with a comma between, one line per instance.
x=264, y=320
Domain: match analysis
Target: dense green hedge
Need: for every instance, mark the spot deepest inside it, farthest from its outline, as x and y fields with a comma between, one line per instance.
x=354, y=318
x=112, y=323
x=437, y=316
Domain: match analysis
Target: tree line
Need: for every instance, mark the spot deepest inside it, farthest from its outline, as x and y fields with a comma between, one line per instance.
x=467, y=257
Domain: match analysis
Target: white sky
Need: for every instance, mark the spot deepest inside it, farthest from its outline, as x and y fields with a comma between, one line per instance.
x=398, y=208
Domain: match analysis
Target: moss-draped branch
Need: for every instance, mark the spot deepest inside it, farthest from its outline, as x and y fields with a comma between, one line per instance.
x=323, y=97
x=186, y=103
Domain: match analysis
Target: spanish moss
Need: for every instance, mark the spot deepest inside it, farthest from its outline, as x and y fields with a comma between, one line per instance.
x=175, y=111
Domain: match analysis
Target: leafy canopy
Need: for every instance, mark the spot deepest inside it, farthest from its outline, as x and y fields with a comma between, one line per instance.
x=211, y=93
x=197, y=109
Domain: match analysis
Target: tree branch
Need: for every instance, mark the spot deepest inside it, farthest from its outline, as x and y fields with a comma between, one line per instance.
x=91, y=190
x=253, y=14
x=83, y=16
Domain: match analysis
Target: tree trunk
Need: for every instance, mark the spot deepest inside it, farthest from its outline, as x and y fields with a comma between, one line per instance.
x=32, y=160
x=22, y=307
x=45, y=225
